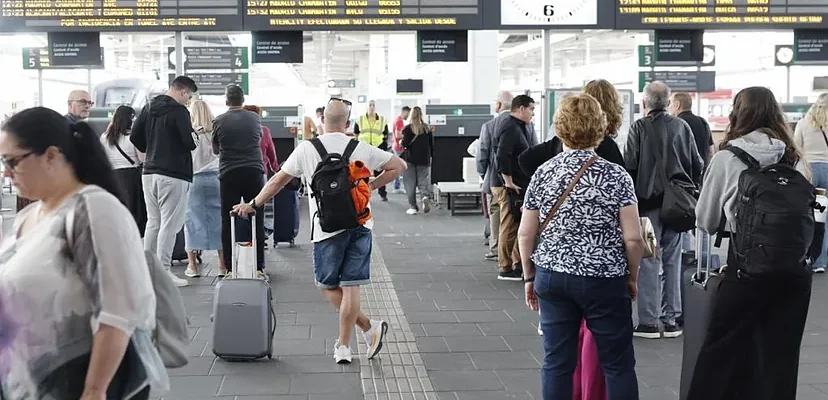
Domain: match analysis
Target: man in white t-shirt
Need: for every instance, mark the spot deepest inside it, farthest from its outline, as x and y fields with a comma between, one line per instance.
x=341, y=260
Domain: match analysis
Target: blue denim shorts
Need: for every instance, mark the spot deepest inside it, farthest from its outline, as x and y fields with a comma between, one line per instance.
x=344, y=259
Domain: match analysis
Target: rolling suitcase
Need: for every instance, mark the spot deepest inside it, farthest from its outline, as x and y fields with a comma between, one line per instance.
x=701, y=286
x=243, y=318
x=286, y=217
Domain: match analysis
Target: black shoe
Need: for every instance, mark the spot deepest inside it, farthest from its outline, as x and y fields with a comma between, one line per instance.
x=513, y=275
x=672, y=331
x=384, y=198
x=647, y=332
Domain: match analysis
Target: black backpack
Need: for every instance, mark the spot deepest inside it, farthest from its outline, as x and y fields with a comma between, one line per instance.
x=774, y=218
x=331, y=188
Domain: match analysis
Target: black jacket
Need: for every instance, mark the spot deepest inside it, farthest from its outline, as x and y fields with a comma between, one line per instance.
x=164, y=132
x=531, y=159
x=682, y=162
x=509, y=142
x=419, y=151
x=701, y=132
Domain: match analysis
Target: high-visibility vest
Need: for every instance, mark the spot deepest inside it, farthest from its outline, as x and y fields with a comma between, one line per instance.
x=370, y=131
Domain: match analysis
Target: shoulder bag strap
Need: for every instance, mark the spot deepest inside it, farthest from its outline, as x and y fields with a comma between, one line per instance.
x=320, y=148
x=123, y=153
x=568, y=190
x=823, y=135
x=349, y=149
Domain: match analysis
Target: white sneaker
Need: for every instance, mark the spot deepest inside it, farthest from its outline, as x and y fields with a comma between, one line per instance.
x=178, y=282
x=411, y=211
x=398, y=191
x=192, y=272
x=374, y=337
x=342, y=354
x=426, y=205
x=819, y=270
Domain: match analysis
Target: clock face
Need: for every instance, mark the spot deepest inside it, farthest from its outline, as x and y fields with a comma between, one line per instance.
x=549, y=12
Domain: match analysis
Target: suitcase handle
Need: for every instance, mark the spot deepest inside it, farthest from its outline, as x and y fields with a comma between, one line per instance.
x=704, y=257
x=233, y=242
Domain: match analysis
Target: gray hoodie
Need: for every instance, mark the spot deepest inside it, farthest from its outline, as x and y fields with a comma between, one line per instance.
x=722, y=178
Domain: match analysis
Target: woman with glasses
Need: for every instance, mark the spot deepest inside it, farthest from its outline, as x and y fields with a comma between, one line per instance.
x=126, y=161
x=79, y=325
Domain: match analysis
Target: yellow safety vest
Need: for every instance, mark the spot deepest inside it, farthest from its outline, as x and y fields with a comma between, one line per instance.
x=370, y=132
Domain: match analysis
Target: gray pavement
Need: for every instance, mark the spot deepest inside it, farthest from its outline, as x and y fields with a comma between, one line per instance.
x=456, y=331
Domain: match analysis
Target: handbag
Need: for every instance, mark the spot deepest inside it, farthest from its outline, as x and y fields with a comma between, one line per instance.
x=649, y=236
x=406, y=154
x=678, y=207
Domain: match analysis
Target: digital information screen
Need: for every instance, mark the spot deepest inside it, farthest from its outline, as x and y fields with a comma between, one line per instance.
x=362, y=14
x=721, y=14
x=117, y=15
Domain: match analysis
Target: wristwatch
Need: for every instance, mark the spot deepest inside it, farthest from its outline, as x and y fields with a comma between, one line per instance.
x=253, y=203
x=529, y=279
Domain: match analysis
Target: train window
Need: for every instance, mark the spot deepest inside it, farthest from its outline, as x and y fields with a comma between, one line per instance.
x=117, y=96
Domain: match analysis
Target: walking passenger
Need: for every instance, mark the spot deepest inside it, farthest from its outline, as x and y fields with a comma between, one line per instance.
x=237, y=139
x=202, y=231
x=270, y=164
x=486, y=169
x=126, y=161
x=418, y=142
x=580, y=246
x=811, y=137
x=163, y=131
x=342, y=258
x=396, y=146
x=371, y=128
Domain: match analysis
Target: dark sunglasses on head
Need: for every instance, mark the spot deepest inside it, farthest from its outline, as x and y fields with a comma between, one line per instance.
x=85, y=102
x=11, y=163
x=347, y=102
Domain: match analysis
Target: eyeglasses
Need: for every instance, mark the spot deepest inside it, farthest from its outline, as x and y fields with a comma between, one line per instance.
x=85, y=102
x=11, y=163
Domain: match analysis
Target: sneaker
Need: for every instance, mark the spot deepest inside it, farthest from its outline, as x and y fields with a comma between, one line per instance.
x=374, y=337
x=647, y=332
x=819, y=270
x=426, y=205
x=513, y=275
x=342, y=354
x=222, y=273
x=411, y=211
x=672, y=331
x=263, y=276
x=178, y=282
x=540, y=331
x=490, y=256
x=398, y=191
x=384, y=198
x=192, y=272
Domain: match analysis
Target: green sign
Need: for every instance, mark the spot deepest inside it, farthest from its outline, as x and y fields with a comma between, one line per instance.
x=457, y=111
x=646, y=58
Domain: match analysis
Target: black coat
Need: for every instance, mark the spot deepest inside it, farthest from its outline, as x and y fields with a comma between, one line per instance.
x=531, y=159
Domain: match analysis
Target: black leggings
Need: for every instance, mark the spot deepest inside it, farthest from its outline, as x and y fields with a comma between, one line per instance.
x=235, y=184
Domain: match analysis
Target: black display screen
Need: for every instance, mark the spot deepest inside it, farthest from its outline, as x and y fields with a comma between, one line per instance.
x=119, y=15
x=721, y=14
x=358, y=15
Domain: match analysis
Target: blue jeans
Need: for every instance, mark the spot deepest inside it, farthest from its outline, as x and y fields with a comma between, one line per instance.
x=820, y=172
x=343, y=259
x=565, y=300
x=398, y=179
x=659, y=279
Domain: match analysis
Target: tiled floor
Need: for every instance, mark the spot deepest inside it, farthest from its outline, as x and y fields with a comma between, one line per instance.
x=456, y=332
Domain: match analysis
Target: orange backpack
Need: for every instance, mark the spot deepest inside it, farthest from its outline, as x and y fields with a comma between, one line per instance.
x=360, y=191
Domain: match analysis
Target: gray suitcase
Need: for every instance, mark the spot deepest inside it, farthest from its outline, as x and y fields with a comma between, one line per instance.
x=243, y=316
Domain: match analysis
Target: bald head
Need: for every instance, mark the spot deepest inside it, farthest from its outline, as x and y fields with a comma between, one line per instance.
x=504, y=101
x=336, y=117
x=656, y=96
x=79, y=103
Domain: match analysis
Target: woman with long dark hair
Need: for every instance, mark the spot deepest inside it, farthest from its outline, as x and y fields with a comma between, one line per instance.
x=126, y=161
x=752, y=343
x=418, y=142
x=78, y=326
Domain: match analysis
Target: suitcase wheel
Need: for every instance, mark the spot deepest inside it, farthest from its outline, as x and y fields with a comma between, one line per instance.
x=269, y=356
x=292, y=243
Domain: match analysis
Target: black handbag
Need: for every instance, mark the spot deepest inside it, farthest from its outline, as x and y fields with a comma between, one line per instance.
x=678, y=207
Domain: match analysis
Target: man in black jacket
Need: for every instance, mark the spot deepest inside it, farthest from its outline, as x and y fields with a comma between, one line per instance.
x=660, y=134
x=163, y=131
x=510, y=139
x=681, y=105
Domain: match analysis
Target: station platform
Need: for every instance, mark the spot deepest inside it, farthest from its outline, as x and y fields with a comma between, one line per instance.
x=457, y=333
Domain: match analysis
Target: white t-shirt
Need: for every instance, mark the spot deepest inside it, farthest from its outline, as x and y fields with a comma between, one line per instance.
x=115, y=157
x=302, y=163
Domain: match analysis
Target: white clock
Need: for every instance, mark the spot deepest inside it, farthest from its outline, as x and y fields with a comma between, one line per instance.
x=549, y=12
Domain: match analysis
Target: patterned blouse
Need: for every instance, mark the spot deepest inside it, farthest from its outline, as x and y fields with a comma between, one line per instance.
x=55, y=291
x=584, y=237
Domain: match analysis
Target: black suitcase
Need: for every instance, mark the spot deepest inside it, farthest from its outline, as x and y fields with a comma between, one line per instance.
x=179, y=253
x=286, y=217
x=700, y=287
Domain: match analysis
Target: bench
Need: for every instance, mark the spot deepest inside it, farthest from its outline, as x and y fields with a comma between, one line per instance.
x=461, y=196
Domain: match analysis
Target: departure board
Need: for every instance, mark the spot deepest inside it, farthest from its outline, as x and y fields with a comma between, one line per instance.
x=721, y=14
x=119, y=15
x=262, y=15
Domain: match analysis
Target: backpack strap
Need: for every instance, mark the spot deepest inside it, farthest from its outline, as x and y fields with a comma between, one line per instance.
x=320, y=148
x=744, y=157
x=349, y=149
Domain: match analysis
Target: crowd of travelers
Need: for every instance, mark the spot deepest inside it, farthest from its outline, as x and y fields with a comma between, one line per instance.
x=566, y=216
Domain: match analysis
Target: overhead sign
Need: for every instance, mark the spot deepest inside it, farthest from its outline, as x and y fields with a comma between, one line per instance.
x=720, y=14
x=38, y=58
x=326, y=15
x=442, y=46
x=646, y=58
x=75, y=49
x=678, y=47
x=119, y=15
x=810, y=47
x=680, y=81
x=278, y=47
x=783, y=55
x=341, y=83
x=211, y=57
x=215, y=83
